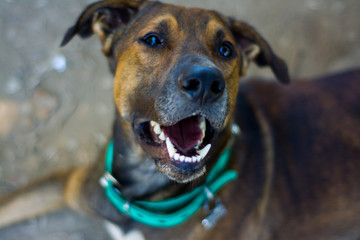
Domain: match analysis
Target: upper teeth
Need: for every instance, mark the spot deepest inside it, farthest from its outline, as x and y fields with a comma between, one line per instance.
x=203, y=125
x=156, y=127
x=157, y=130
x=162, y=136
x=172, y=151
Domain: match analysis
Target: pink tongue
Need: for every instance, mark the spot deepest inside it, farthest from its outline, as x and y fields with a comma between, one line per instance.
x=185, y=134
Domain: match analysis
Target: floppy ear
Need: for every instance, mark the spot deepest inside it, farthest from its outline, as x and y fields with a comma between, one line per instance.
x=103, y=18
x=258, y=50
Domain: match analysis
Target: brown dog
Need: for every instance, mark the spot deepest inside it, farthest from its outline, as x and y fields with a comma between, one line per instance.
x=181, y=110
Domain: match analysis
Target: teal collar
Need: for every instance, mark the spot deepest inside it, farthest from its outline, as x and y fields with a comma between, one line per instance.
x=173, y=211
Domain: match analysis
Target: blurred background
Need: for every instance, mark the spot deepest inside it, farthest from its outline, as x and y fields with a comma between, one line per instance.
x=56, y=104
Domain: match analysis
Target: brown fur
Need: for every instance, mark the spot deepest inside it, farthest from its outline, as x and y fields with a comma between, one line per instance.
x=297, y=155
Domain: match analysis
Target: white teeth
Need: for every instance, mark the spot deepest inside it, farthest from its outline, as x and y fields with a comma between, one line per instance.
x=181, y=158
x=152, y=123
x=157, y=129
x=170, y=147
x=202, y=125
x=173, y=154
x=162, y=136
x=204, y=151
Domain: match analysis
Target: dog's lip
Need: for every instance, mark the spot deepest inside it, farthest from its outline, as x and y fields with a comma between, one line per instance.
x=158, y=144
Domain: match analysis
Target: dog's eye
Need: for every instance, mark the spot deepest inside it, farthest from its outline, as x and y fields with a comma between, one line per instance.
x=225, y=50
x=152, y=40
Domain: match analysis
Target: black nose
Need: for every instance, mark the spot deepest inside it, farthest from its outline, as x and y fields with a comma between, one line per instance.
x=201, y=83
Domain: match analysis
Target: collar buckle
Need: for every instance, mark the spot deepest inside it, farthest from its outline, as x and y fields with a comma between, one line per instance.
x=216, y=213
x=104, y=180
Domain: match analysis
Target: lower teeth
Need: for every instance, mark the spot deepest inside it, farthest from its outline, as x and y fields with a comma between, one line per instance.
x=174, y=155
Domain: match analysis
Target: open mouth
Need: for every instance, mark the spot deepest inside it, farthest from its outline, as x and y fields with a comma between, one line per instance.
x=184, y=145
x=185, y=141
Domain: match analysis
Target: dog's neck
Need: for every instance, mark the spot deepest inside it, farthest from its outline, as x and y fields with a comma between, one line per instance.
x=136, y=173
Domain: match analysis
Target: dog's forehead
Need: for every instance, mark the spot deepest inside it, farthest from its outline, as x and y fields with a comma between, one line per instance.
x=188, y=20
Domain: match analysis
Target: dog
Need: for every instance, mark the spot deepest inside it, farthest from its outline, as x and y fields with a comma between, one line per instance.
x=197, y=153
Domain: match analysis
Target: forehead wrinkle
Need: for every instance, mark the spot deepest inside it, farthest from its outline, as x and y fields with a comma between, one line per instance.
x=219, y=34
x=217, y=30
x=192, y=22
x=162, y=23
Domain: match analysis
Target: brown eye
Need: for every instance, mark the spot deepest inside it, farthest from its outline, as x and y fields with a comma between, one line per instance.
x=226, y=50
x=152, y=40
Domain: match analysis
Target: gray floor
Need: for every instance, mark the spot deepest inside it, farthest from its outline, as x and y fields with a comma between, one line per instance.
x=54, y=116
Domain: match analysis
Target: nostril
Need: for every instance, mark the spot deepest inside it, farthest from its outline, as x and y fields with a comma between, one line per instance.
x=217, y=87
x=191, y=84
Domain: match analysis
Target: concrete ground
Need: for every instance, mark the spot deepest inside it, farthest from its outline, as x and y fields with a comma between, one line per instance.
x=56, y=103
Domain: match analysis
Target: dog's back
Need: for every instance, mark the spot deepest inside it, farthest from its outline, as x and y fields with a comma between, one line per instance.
x=315, y=135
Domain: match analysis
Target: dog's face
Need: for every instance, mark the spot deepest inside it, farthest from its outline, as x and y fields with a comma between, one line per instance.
x=176, y=79
x=176, y=75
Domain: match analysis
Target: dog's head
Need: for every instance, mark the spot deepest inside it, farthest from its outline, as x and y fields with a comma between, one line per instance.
x=176, y=75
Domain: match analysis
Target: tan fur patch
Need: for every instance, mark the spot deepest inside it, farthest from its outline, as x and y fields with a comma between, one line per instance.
x=73, y=189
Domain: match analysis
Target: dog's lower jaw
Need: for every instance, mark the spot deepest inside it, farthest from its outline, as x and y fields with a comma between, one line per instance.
x=178, y=175
x=170, y=160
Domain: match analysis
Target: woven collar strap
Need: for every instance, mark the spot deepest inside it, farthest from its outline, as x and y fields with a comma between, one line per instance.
x=173, y=211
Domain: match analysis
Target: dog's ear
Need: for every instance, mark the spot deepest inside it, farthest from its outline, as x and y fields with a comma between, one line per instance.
x=103, y=18
x=256, y=49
